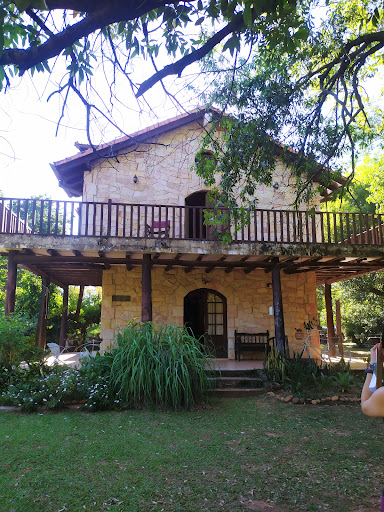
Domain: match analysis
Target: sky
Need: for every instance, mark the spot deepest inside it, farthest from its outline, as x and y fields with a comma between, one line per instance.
x=28, y=124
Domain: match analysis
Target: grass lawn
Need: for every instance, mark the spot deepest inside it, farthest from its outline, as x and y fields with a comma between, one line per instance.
x=237, y=455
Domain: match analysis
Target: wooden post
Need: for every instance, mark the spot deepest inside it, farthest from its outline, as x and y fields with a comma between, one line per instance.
x=278, y=309
x=64, y=320
x=41, y=336
x=330, y=324
x=10, y=295
x=146, y=289
x=339, y=334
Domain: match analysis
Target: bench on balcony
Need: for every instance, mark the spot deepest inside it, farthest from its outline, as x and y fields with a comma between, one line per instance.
x=252, y=342
x=158, y=228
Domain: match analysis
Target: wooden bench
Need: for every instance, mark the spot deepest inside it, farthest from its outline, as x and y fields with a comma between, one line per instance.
x=255, y=342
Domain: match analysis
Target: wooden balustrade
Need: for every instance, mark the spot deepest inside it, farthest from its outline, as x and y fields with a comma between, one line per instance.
x=46, y=217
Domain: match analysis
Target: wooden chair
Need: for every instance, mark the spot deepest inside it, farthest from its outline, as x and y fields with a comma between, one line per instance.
x=158, y=228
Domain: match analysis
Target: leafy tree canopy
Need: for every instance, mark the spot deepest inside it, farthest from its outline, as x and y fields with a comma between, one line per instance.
x=308, y=94
x=289, y=70
x=36, y=35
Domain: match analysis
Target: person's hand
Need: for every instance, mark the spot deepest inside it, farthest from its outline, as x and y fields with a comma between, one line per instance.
x=374, y=350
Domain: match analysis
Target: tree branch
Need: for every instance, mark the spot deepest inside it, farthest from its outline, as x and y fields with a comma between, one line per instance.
x=176, y=68
x=111, y=12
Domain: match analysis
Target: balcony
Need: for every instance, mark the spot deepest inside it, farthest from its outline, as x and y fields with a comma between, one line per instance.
x=70, y=219
x=73, y=242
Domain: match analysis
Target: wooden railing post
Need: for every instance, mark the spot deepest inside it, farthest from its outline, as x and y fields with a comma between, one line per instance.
x=109, y=218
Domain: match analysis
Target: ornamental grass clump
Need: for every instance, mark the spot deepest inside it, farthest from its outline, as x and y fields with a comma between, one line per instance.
x=163, y=366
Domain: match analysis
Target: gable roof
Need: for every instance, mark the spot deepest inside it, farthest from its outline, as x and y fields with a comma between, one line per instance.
x=70, y=171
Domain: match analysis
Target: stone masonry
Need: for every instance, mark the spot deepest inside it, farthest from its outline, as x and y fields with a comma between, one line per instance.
x=248, y=299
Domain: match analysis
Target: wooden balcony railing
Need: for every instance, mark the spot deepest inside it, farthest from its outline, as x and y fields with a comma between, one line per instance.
x=46, y=217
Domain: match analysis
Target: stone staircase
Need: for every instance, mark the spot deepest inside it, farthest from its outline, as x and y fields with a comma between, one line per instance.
x=237, y=383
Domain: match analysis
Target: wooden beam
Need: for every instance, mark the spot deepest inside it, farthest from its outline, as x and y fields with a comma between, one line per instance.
x=107, y=265
x=52, y=252
x=278, y=308
x=39, y=272
x=41, y=336
x=168, y=267
x=128, y=265
x=77, y=253
x=330, y=324
x=208, y=270
x=10, y=294
x=146, y=289
x=190, y=268
x=64, y=319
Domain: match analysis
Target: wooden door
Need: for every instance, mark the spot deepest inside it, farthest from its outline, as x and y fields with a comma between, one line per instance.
x=195, y=227
x=205, y=313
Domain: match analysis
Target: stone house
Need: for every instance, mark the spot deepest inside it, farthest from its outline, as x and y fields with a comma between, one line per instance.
x=139, y=233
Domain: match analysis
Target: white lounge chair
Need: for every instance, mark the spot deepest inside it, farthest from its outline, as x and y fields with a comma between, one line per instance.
x=55, y=350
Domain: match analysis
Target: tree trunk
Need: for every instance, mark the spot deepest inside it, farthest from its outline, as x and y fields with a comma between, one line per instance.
x=330, y=325
x=79, y=303
x=10, y=296
x=146, y=289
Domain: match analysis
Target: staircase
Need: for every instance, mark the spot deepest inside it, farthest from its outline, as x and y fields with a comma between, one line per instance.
x=236, y=383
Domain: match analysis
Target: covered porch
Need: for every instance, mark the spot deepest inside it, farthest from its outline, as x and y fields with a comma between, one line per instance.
x=74, y=243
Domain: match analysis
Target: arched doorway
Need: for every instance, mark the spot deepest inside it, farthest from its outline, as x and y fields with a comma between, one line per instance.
x=205, y=313
x=195, y=227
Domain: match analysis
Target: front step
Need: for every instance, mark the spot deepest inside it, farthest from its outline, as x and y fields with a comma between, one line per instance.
x=236, y=392
x=237, y=382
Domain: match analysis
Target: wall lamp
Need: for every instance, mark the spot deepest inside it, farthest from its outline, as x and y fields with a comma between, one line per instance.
x=275, y=186
x=135, y=179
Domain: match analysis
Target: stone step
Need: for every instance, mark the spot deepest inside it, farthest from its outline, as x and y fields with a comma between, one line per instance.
x=236, y=392
x=235, y=373
x=238, y=382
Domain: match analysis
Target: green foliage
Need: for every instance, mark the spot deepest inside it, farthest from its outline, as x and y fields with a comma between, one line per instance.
x=300, y=373
x=344, y=381
x=275, y=366
x=158, y=367
x=305, y=377
x=148, y=367
x=14, y=344
x=51, y=387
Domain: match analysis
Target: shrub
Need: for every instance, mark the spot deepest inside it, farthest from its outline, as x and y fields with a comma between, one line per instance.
x=164, y=366
x=52, y=388
x=344, y=381
x=14, y=346
x=95, y=372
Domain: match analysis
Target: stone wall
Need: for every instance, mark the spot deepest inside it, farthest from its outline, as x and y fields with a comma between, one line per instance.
x=248, y=299
x=163, y=170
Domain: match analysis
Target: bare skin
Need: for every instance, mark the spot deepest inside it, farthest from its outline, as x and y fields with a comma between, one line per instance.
x=372, y=404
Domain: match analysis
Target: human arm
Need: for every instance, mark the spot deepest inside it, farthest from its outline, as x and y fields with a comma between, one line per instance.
x=372, y=403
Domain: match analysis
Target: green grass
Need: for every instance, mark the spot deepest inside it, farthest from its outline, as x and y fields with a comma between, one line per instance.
x=234, y=456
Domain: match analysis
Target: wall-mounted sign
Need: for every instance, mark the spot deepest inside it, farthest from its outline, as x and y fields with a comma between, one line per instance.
x=121, y=298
